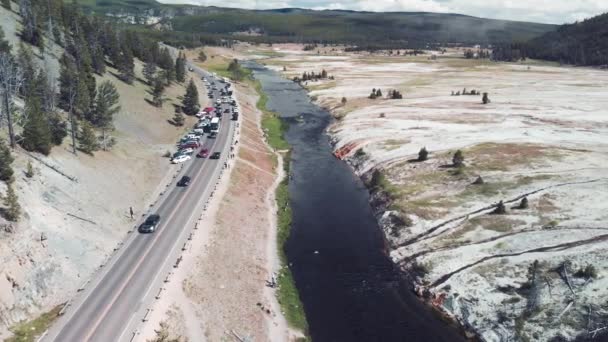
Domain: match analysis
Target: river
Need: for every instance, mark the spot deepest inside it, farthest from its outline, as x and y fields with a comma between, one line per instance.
x=351, y=291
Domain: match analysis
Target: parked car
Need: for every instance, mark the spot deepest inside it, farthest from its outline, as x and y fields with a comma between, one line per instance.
x=190, y=144
x=198, y=131
x=187, y=150
x=184, y=181
x=204, y=153
x=215, y=155
x=180, y=159
x=150, y=224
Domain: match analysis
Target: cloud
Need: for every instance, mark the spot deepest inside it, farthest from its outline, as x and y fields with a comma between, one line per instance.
x=547, y=11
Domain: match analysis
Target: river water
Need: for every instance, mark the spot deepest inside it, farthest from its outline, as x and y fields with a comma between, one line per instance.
x=350, y=289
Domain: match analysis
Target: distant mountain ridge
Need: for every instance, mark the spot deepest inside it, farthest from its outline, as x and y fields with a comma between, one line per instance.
x=388, y=29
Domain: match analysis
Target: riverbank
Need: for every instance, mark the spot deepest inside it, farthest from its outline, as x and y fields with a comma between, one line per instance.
x=478, y=264
x=287, y=293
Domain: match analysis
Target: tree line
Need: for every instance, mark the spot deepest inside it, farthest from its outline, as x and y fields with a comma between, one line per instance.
x=74, y=104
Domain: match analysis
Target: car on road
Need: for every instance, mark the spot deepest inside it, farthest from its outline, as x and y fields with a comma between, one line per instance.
x=204, y=153
x=215, y=155
x=180, y=159
x=184, y=181
x=150, y=224
x=227, y=110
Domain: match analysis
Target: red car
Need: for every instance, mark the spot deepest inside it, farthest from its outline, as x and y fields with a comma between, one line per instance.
x=190, y=144
x=204, y=153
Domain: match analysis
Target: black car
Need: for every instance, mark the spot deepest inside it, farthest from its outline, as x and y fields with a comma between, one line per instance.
x=227, y=110
x=150, y=224
x=184, y=181
x=215, y=155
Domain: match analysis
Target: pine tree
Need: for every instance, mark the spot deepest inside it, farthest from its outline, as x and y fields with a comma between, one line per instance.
x=87, y=140
x=180, y=68
x=59, y=128
x=106, y=105
x=149, y=72
x=485, y=99
x=343, y=101
x=165, y=61
x=126, y=65
x=202, y=56
x=36, y=130
x=6, y=159
x=31, y=31
x=5, y=46
x=158, y=91
x=190, y=102
x=12, y=210
x=423, y=154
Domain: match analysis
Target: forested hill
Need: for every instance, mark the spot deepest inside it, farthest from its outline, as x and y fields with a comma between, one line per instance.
x=401, y=29
x=581, y=43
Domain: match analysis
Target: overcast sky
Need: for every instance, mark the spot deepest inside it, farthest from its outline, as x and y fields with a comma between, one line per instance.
x=545, y=11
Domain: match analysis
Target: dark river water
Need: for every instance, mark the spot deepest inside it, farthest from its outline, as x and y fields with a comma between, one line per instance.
x=350, y=289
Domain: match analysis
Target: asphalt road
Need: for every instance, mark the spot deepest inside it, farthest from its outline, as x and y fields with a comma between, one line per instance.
x=108, y=307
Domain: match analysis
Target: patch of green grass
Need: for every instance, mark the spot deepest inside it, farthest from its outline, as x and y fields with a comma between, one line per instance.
x=28, y=331
x=271, y=122
x=287, y=293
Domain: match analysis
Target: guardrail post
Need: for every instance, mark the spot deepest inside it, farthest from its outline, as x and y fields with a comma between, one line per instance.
x=145, y=319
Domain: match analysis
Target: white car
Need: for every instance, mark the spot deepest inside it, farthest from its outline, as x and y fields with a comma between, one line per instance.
x=180, y=159
x=187, y=150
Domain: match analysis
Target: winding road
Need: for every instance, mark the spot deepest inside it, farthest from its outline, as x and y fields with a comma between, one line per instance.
x=114, y=302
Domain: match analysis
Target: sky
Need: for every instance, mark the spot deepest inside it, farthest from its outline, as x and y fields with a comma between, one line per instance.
x=542, y=11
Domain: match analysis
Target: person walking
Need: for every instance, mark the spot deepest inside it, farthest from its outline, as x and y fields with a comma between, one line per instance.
x=131, y=212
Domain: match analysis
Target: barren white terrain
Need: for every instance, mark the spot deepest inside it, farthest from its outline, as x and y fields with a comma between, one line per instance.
x=536, y=272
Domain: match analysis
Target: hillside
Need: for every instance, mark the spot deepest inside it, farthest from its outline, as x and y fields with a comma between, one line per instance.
x=403, y=29
x=74, y=206
x=581, y=43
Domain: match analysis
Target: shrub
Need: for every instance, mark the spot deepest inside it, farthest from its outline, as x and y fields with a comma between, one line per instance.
x=29, y=171
x=423, y=154
x=589, y=272
x=500, y=209
x=485, y=99
x=458, y=159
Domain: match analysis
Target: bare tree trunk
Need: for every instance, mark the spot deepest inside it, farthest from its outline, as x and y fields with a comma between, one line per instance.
x=9, y=118
x=10, y=81
x=71, y=99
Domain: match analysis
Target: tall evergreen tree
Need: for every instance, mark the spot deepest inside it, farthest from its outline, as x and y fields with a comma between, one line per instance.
x=6, y=159
x=12, y=210
x=58, y=126
x=149, y=72
x=165, y=61
x=158, y=91
x=36, y=130
x=87, y=140
x=190, y=103
x=30, y=32
x=180, y=68
x=106, y=105
x=126, y=65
